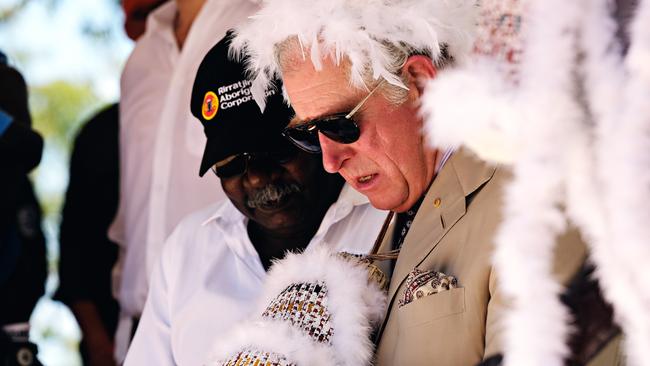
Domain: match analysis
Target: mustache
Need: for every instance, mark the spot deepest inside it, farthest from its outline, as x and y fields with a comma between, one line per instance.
x=271, y=193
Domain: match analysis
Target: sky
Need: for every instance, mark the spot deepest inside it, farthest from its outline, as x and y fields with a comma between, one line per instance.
x=51, y=34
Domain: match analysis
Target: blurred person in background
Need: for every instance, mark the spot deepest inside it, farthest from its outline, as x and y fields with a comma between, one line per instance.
x=23, y=266
x=86, y=254
x=160, y=143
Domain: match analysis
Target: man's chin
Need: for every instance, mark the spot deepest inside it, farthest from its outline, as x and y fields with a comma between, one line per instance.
x=382, y=203
x=280, y=221
x=389, y=202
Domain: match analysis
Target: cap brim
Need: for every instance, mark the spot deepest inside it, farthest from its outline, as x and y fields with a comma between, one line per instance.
x=210, y=156
x=215, y=150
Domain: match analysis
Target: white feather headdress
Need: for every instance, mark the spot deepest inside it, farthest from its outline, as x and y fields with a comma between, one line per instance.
x=358, y=30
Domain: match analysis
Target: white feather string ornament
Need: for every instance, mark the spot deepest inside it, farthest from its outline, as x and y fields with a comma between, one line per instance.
x=629, y=183
x=629, y=191
x=358, y=30
x=586, y=203
x=618, y=94
x=518, y=110
x=533, y=217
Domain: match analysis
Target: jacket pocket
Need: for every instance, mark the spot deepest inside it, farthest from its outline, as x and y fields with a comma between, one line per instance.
x=433, y=307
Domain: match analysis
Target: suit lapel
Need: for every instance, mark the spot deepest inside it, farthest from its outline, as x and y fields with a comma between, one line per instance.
x=429, y=226
x=443, y=206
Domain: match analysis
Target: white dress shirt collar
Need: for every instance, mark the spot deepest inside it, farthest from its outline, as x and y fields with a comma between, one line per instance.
x=160, y=23
x=227, y=215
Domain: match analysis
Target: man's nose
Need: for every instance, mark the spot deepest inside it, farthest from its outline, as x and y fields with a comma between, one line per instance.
x=334, y=153
x=260, y=173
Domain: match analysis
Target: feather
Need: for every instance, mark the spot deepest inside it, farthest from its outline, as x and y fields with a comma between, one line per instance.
x=355, y=306
x=356, y=29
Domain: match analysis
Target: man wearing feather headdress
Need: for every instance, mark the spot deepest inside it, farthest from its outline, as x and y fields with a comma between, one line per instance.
x=354, y=73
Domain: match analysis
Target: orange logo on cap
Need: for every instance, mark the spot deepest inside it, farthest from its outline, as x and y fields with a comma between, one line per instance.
x=210, y=105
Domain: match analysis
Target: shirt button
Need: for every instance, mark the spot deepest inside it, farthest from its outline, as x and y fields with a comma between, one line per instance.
x=437, y=202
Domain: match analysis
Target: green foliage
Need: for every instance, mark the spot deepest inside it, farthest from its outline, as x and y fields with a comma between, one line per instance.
x=58, y=109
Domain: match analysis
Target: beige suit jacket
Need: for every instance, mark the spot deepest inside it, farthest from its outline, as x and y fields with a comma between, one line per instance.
x=453, y=232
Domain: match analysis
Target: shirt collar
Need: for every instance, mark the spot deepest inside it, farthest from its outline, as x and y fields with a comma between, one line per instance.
x=351, y=196
x=160, y=22
x=348, y=198
x=347, y=201
x=445, y=156
x=162, y=18
x=226, y=212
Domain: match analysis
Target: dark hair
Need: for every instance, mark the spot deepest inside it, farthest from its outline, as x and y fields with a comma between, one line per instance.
x=13, y=94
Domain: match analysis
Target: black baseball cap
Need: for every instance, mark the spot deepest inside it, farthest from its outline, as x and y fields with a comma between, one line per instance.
x=233, y=123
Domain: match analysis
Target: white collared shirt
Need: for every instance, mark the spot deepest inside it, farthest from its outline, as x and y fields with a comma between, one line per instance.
x=161, y=145
x=210, y=275
x=144, y=83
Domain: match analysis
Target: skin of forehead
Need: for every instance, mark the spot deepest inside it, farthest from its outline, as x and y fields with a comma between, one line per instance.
x=295, y=63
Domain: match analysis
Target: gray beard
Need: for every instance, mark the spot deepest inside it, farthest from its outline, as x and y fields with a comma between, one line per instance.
x=271, y=193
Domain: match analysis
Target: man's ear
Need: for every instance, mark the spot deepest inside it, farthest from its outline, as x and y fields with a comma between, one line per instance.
x=416, y=71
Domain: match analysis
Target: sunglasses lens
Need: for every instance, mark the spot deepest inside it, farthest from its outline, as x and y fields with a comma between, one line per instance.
x=306, y=140
x=340, y=129
x=284, y=156
x=234, y=167
x=337, y=128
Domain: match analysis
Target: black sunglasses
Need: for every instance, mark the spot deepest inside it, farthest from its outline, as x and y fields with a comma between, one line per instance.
x=338, y=127
x=238, y=164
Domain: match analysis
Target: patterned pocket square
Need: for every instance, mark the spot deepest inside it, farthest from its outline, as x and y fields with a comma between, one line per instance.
x=424, y=283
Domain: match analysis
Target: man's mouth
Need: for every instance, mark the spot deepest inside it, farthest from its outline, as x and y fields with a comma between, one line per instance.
x=272, y=197
x=365, y=178
x=365, y=182
x=275, y=204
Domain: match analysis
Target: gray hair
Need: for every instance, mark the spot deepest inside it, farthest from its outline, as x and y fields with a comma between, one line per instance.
x=288, y=52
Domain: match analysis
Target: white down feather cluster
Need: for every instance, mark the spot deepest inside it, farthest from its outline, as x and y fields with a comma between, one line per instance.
x=488, y=123
x=486, y=85
x=354, y=29
x=356, y=306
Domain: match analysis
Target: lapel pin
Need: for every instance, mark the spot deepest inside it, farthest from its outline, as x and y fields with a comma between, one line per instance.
x=437, y=202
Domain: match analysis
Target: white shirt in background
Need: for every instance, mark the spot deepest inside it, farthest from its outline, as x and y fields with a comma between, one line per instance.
x=176, y=188
x=161, y=145
x=210, y=276
x=144, y=84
